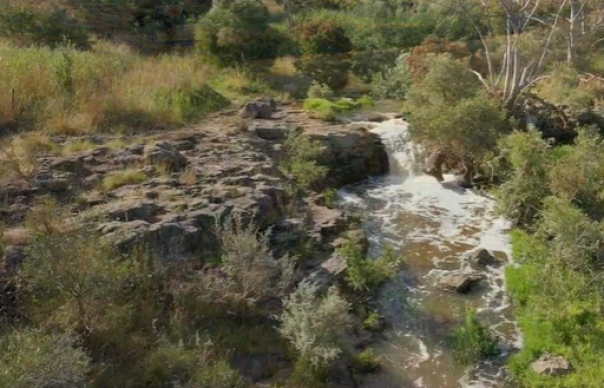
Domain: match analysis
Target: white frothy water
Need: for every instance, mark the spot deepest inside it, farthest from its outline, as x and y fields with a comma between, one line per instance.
x=437, y=226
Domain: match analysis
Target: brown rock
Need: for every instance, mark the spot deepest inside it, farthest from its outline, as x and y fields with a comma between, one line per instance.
x=460, y=283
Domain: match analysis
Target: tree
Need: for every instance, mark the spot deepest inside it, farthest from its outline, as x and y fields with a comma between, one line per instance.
x=516, y=72
x=73, y=273
x=448, y=110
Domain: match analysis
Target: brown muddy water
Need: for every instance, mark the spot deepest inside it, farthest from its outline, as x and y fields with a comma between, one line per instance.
x=435, y=227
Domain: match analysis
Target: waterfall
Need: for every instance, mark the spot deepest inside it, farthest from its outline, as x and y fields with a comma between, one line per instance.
x=436, y=226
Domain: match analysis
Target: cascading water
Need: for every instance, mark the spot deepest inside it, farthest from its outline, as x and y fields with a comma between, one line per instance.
x=436, y=227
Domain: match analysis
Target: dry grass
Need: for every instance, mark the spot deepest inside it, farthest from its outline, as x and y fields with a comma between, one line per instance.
x=188, y=177
x=118, y=179
x=19, y=156
x=107, y=89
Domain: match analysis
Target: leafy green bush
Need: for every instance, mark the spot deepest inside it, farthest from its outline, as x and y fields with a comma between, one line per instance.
x=393, y=82
x=330, y=70
x=316, y=328
x=521, y=196
x=27, y=26
x=322, y=36
x=236, y=31
x=473, y=341
x=301, y=163
x=366, y=361
x=448, y=109
x=88, y=274
x=318, y=90
x=366, y=274
x=194, y=366
x=373, y=322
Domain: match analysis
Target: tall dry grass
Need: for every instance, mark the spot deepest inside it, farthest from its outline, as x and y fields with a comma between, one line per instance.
x=107, y=89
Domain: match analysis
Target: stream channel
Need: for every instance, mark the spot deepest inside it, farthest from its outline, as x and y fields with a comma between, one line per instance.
x=435, y=227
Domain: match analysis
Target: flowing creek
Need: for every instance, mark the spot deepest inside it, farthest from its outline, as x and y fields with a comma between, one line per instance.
x=435, y=227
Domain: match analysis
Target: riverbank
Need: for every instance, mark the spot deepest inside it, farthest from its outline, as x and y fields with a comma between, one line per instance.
x=147, y=257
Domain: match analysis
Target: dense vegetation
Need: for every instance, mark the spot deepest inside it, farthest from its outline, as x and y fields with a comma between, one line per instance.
x=491, y=82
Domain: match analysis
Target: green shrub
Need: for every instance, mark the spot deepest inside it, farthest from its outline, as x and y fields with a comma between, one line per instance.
x=366, y=362
x=521, y=196
x=316, y=327
x=392, y=82
x=195, y=366
x=473, y=341
x=26, y=26
x=366, y=101
x=318, y=90
x=373, y=322
x=447, y=108
x=32, y=358
x=301, y=161
x=88, y=273
x=236, y=31
x=366, y=274
x=330, y=70
x=322, y=36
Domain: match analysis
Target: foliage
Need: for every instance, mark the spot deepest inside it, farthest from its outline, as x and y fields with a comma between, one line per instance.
x=393, y=82
x=521, y=195
x=318, y=90
x=32, y=359
x=373, y=322
x=564, y=87
x=236, y=31
x=27, y=26
x=248, y=264
x=366, y=274
x=192, y=366
x=366, y=361
x=447, y=109
x=88, y=274
x=121, y=178
x=323, y=36
x=327, y=110
x=301, y=163
x=108, y=89
x=575, y=173
x=314, y=326
x=473, y=341
x=331, y=70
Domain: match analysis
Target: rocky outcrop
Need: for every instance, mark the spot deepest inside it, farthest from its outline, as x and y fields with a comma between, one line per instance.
x=352, y=155
x=187, y=181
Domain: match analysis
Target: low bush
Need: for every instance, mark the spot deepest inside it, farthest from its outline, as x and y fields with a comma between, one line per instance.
x=473, y=341
x=366, y=274
x=315, y=327
x=366, y=362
